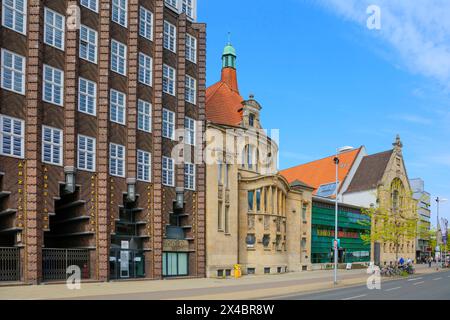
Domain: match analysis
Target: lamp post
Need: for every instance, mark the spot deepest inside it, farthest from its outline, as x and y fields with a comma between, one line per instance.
x=438, y=201
x=336, y=209
x=335, y=242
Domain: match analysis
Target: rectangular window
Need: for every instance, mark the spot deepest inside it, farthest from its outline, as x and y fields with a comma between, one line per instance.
x=116, y=160
x=258, y=200
x=12, y=132
x=219, y=172
x=144, y=116
x=170, y=36
x=191, y=48
x=13, y=72
x=87, y=96
x=189, y=176
x=190, y=90
x=172, y=3
x=54, y=28
x=168, y=129
x=189, y=131
x=168, y=177
x=227, y=219
x=86, y=153
x=175, y=264
x=219, y=216
x=117, y=106
x=169, y=80
x=145, y=23
x=145, y=69
x=53, y=91
x=90, y=4
x=119, y=12
x=187, y=7
x=88, y=44
x=52, y=145
x=250, y=197
x=118, y=57
x=14, y=15
x=144, y=166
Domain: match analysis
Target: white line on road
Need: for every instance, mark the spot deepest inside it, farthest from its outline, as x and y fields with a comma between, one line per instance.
x=415, y=279
x=437, y=279
x=355, y=297
x=392, y=289
x=416, y=283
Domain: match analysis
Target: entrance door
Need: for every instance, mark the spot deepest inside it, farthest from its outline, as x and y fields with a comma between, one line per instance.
x=126, y=264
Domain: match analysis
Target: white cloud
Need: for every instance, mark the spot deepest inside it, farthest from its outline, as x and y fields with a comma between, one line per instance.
x=418, y=30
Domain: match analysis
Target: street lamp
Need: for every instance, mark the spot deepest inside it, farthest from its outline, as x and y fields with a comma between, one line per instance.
x=438, y=201
x=336, y=209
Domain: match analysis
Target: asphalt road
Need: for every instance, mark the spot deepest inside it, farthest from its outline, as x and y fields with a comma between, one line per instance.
x=433, y=286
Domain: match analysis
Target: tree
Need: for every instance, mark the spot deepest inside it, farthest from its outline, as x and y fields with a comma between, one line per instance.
x=394, y=220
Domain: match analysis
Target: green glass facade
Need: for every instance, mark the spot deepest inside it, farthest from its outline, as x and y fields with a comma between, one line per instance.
x=352, y=248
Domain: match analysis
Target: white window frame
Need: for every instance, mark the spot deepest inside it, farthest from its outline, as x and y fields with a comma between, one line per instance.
x=191, y=48
x=168, y=171
x=189, y=177
x=168, y=124
x=144, y=167
x=53, y=85
x=87, y=96
x=121, y=60
x=169, y=79
x=145, y=74
x=145, y=27
x=189, y=131
x=15, y=13
x=144, y=115
x=86, y=153
x=14, y=71
x=55, y=30
x=88, y=4
x=122, y=9
x=190, y=92
x=170, y=36
x=118, y=160
x=12, y=135
x=172, y=4
x=185, y=7
x=115, y=104
x=89, y=44
x=53, y=145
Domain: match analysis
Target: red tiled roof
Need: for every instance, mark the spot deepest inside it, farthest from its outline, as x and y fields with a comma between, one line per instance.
x=223, y=101
x=322, y=171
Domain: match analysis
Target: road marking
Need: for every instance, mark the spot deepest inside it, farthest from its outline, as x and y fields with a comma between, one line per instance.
x=416, y=283
x=392, y=289
x=437, y=279
x=355, y=297
x=415, y=279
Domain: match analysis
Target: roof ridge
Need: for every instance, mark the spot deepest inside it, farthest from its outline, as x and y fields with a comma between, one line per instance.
x=301, y=165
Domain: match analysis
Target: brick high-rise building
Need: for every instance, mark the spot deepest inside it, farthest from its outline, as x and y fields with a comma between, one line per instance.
x=92, y=92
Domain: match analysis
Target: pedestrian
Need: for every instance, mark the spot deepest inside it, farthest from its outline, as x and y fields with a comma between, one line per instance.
x=430, y=260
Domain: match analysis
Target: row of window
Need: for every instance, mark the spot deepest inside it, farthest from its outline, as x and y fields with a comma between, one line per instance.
x=12, y=136
x=13, y=77
x=14, y=17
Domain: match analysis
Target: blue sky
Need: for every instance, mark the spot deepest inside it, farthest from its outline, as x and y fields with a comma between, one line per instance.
x=325, y=80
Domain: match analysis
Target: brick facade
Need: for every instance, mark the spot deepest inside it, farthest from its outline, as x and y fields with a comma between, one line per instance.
x=37, y=213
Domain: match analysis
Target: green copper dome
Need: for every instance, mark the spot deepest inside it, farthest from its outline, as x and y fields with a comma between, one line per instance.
x=229, y=57
x=229, y=50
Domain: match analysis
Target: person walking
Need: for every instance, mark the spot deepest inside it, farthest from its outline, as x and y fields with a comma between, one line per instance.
x=430, y=260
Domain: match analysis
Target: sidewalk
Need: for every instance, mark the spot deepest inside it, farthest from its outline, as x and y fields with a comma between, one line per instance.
x=249, y=287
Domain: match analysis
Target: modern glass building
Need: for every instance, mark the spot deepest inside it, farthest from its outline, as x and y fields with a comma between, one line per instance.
x=351, y=248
